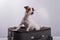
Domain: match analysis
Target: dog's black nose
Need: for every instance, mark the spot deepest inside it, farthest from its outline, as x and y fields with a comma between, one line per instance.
x=32, y=13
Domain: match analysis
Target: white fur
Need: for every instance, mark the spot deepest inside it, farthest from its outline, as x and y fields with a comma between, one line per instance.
x=32, y=25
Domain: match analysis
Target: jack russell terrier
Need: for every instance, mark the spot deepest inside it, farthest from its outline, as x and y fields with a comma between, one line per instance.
x=27, y=21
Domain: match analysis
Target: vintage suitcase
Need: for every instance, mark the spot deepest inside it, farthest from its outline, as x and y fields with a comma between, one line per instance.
x=43, y=34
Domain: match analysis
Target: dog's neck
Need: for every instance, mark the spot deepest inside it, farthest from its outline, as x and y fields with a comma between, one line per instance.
x=26, y=16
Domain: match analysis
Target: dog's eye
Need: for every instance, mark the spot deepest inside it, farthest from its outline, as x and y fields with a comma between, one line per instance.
x=32, y=9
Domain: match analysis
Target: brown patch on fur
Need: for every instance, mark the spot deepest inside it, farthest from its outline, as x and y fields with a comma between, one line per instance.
x=27, y=8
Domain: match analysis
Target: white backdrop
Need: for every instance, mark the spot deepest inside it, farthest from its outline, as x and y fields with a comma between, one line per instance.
x=46, y=14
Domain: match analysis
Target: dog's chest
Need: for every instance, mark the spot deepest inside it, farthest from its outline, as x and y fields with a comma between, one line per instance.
x=31, y=21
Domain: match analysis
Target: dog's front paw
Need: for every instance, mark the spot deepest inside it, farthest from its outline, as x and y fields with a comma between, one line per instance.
x=14, y=29
x=27, y=30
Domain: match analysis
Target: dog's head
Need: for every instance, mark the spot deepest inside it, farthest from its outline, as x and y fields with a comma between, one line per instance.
x=29, y=10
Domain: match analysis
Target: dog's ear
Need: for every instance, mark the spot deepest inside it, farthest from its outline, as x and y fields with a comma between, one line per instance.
x=26, y=7
x=33, y=9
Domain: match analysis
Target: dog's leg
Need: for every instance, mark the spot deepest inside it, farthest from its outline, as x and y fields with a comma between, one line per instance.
x=28, y=28
x=16, y=28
